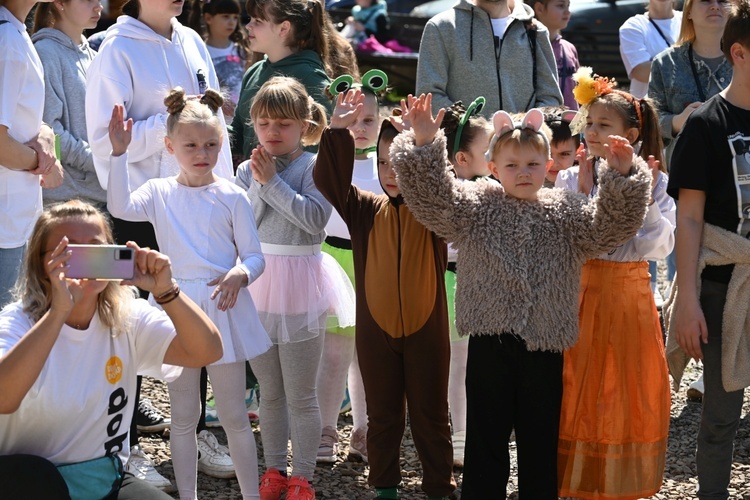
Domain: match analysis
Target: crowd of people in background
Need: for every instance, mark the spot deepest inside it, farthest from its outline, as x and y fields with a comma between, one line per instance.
x=499, y=227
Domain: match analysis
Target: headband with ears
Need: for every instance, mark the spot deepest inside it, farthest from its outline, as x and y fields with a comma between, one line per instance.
x=568, y=115
x=502, y=124
x=375, y=80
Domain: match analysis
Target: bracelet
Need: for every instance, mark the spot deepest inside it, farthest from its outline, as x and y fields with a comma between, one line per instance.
x=169, y=296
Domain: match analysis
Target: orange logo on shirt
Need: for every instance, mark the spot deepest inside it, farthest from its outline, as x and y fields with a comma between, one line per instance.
x=113, y=370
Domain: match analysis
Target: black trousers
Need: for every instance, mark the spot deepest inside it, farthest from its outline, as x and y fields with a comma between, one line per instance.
x=509, y=387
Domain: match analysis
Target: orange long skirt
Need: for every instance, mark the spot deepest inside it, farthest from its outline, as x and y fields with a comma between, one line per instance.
x=615, y=410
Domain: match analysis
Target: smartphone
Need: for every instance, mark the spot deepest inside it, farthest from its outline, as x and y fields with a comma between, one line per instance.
x=101, y=262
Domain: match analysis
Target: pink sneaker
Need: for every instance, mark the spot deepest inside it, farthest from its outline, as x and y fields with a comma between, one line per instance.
x=395, y=46
x=373, y=45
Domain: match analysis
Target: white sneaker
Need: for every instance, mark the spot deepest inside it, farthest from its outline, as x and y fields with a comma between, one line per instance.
x=695, y=390
x=143, y=468
x=213, y=458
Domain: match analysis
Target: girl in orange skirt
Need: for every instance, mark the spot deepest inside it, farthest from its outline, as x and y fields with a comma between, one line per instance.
x=615, y=410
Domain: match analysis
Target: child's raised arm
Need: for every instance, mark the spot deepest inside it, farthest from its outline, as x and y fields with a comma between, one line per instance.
x=417, y=115
x=432, y=193
x=348, y=107
x=120, y=131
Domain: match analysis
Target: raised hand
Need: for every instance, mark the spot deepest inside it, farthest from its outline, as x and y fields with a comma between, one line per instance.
x=228, y=285
x=347, y=109
x=619, y=154
x=262, y=165
x=585, y=171
x=418, y=113
x=120, y=131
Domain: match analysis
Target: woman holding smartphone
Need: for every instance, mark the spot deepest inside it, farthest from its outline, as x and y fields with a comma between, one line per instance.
x=51, y=414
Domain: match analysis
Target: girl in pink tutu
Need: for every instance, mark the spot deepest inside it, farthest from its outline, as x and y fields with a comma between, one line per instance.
x=300, y=287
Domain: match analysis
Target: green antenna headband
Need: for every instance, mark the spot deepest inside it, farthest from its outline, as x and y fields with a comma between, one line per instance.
x=474, y=108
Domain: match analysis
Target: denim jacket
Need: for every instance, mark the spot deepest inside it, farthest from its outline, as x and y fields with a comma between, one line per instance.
x=672, y=85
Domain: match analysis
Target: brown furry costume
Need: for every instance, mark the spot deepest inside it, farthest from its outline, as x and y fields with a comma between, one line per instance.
x=402, y=321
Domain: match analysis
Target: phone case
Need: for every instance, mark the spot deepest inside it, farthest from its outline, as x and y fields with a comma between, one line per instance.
x=101, y=262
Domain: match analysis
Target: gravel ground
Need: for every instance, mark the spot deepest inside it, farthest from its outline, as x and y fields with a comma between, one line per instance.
x=347, y=480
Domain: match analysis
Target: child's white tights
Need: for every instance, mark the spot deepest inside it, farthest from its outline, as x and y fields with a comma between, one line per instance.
x=228, y=384
x=338, y=351
x=357, y=396
x=457, y=384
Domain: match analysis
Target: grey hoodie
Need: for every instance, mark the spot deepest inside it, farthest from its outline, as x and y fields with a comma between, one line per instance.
x=65, y=65
x=458, y=61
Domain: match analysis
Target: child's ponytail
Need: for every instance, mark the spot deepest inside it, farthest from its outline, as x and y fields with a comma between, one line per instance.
x=195, y=19
x=650, y=130
x=44, y=17
x=317, y=123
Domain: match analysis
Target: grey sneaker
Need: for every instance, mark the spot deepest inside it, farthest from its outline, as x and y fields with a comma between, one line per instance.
x=358, y=445
x=329, y=446
x=213, y=458
x=143, y=468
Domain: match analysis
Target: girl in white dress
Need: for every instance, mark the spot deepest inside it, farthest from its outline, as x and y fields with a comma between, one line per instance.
x=205, y=223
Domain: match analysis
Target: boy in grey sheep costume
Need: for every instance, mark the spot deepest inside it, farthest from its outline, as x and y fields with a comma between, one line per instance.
x=516, y=294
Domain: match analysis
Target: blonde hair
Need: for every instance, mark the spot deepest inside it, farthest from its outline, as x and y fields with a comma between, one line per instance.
x=524, y=137
x=285, y=98
x=184, y=111
x=34, y=288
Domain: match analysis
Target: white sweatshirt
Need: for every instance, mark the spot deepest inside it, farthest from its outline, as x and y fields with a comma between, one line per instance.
x=137, y=67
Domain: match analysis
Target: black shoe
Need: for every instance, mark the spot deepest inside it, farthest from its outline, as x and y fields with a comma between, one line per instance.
x=149, y=419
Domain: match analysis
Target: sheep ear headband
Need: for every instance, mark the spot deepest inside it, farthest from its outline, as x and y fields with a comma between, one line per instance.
x=504, y=124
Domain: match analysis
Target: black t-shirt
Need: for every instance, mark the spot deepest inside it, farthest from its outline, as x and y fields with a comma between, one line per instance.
x=712, y=155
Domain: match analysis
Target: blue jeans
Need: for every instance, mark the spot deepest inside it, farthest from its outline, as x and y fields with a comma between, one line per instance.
x=721, y=409
x=10, y=267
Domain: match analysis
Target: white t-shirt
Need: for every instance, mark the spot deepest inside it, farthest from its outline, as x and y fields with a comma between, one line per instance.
x=365, y=177
x=640, y=42
x=81, y=404
x=21, y=109
x=500, y=26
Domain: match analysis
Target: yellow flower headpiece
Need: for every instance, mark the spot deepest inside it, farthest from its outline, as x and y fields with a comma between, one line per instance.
x=588, y=87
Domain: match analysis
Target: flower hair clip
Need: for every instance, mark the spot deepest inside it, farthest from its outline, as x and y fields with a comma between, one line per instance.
x=503, y=123
x=588, y=87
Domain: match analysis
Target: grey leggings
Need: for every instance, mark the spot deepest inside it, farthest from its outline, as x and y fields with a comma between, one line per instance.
x=287, y=375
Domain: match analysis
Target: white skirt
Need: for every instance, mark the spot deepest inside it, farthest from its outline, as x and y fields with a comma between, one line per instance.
x=242, y=332
x=299, y=289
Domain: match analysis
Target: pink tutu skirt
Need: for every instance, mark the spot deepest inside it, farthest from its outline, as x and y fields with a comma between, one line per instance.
x=299, y=289
x=241, y=331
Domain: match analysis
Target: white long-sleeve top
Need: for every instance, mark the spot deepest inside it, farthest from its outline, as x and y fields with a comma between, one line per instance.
x=137, y=67
x=655, y=239
x=202, y=229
